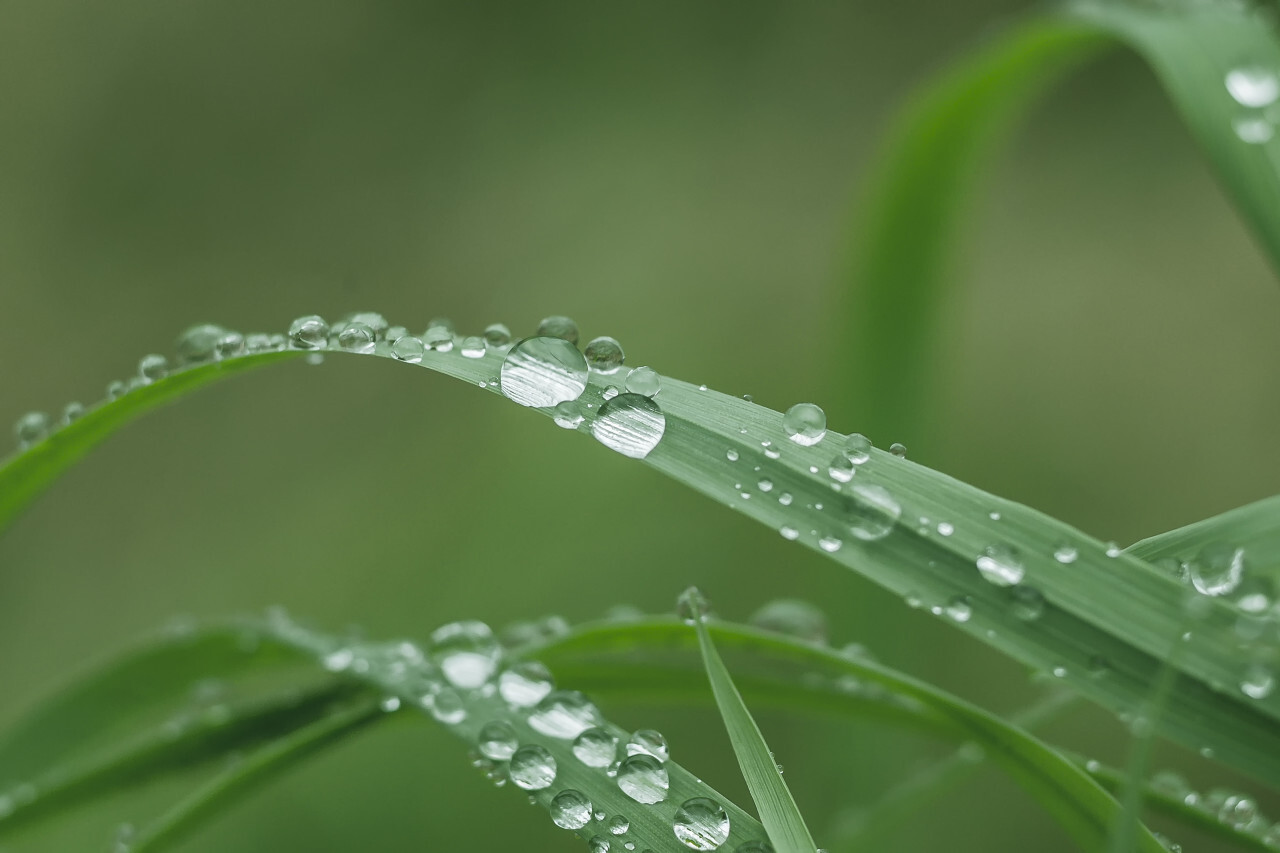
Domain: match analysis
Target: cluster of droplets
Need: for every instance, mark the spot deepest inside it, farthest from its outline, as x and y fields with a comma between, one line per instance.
x=1235, y=809
x=1255, y=90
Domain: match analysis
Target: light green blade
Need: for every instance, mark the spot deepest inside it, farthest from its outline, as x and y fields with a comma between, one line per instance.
x=1254, y=528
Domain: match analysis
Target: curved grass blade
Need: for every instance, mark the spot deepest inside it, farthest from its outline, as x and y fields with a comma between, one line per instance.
x=777, y=808
x=1255, y=528
x=1038, y=590
x=1085, y=810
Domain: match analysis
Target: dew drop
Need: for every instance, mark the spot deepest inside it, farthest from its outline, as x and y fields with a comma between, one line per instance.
x=610, y=392
x=1217, y=569
x=1258, y=682
x=805, y=424
x=604, y=355
x=648, y=742
x=830, y=544
x=568, y=414
x=30, y=428
x=199, y=344
x=693, y=606
x=789, y=532
x=1000, y=565
x=898, y=449
x=570, y=809
x=841, y=469
x=72, y=412
x=701, y=824
x=1253, y=86
x=116, y=389
x=785, y=499
x=731, y=455
x=557, y=326
x=1027, y=603
x=497, y=740
x=542, y=372
x=959, y=609
x=618, y=825
x=230, y=345
x=532, y=768
x=409, y=348
x=524, y=684
x=309, y=332
x=439, y=335
x=564, y=714
x=793, y=617
x=945, y=528
x=1253, y=130
x=447, y=706
x=466, y=653
x=596, y=747
x=152, y=367
x=356, y=337
x=472, y=346
x=1066, y=553
x=644, y=380
x=643, y=779
x=599, y=844
x=631, y=424
x=871, y=512
x=765, y=485
x=857, y=448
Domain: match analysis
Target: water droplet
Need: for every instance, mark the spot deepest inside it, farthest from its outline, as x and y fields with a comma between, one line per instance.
x=1066, y=553
x=570, y=809
x=309, y=332
x=198, y=344
x=30, y=428
x=701, y=824
x=792, y=617
x=596, y=747
x=356, y=337
x=542, y=372
x=1258, y=682
x=857, y=448
x=841, y=468
x=643, y=779
x=610, y=392
x=116, y=389
x=945, y=528
x=230, y=345
x=497, y=740
x=1253, y=86
x=497, y=335
x=693, y=606
x=830, y=544
x=765, y=485
x=731, y=455
x=644, y=380
x=871, y=512
x=1253, y=130
x=785, y=499
x=466, y=653
x=152, y=367
x=648, y=742
x=472, y=346
x=532, y=768
x=604, y=355
x=1027, y=603
x=409, y=348
x=959, y=608
x=898, y=449
x=439, y=335
x=447, y=707
x=599, y=844
x=524, y=684
x=789, y=532
x=618, y=825
x=1000, y=565
x=568, y=414
x=559, y=327
x=1217, y=569
x=805, y=424
x=564, y=714
x=72, y=412
x=631, y=424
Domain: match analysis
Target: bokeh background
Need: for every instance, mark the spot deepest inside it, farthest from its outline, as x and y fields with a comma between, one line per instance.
x=682, y=176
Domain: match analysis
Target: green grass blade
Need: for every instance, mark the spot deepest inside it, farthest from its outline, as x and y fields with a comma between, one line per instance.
x=922, y=179
x=777, y=808
x=1255, y=528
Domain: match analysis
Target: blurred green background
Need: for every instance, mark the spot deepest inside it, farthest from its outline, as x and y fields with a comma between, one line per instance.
x=680, y=176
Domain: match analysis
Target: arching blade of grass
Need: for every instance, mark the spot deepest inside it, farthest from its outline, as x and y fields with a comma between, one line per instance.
x=777, y=808
x=939, y=144
x=1253, y=528
x=1035, y=588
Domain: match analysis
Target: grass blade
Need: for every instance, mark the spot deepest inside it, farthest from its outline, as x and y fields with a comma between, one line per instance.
x=777, y=808
x=1255, y=528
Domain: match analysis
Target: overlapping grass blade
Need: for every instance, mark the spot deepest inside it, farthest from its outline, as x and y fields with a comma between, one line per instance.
x=1254, y=528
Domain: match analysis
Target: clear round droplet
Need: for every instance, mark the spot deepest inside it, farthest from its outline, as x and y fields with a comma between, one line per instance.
x=472, y=346
x=789, y=532
x=497, y=335
x=643, y=779
x=570, y=809
x=309, y=332
x=447, y=706
x=564, y=714
x=599, y=844
x=871, y=512
x=439, y=335
x=30, y=428
x=857, y=448
x=559, y=327
x=959, y=609
x=1253, y=130
x=532, y=768
x=618, y=825
x=595, y=747
x=375, y=322
x=898, y=449
x=229, y=345
x=805, y=424
x=497, y=740
x=541, y=372
x=631, y=424
x=356, y=337
x=525, y=684
x=153, y=367
x=72, y=412
x=1253, y=85
x=841, y=468
x=198, y=344
x=568, y=414
x=794, y=618
x=1066, y=553
x=409, y=348
x=645, y=381
x=1026, y=602
x=1258, y=682
x=830, y=544
x=466, y=653
x=604, y=355
x=648, y=742
x=1217, y=569
x=1000, y=565
x=701, y=824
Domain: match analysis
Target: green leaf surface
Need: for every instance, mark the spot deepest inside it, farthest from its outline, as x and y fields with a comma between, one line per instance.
x=1255, y=528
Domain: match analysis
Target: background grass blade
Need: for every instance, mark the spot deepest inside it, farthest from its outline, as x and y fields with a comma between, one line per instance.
x=1254, y=527
x=777, y=808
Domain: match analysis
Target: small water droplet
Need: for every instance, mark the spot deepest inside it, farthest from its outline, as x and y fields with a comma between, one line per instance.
x=1253, y=130
x=789, y=532
x=557, y=326
x=618, y=825
x=1000, y=565
x=1027, y=603
x=871, y=511
x=1217, y=569
x=959, y=608
x=568, y=415
x=541, y=372
x=765, y=485
x=439, y=335
x=497, y=740
x=599, y=844
x=857, y=448
x=596, y=747
x=898, y=449
x=1066, y=553
x=701, y=824
x=830, y=544
x=72, y=412
x=497, y=335
x=631, y=424
x=643, y=779
x=356, y=337
x=116, y=389
x=805, y=424
x=198, y=344
x=31, y=428
x=731, y=455
x=524, y=684
x=309, y=332
x=1253, y=86
x=409, y=348
x=1258, y=682
x=841, y=469
x=785, y=499
x=564, y=714
x=466, y=653
x=648, y=742
x=532, y=768
x=604, y=355
x=644, y=380
x=793, y=617
x=570, y=809
x=447, y=706
x=945, y=528
x=472, y=346
x=153, y=367
x=693, y=606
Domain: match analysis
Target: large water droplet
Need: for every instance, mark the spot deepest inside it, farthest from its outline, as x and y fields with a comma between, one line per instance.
x=542, y=372
x=525, y=684
x=497, y=740
x=409, y=348
x=564, y=714
x=871, y=512
x=1217, y=569
x=532, y=768
x=805, y=423
x=229, y=345
x=701, y=824
x=644, y=380
x=604, y=355
x=596, y=747
x=497, y=335
x=1253, y=86
x=857, y=448
x=356, y=337
x=792, y=617
x=153, y=367
x=648, y=742
x=570, y=809
x=439, y=335
x=466, y=653
x=30, y=428
x=618, y=825
x=1000, y=565
x=841, y=468
x=631, y=424
x=199, y=343
x=559, y=327
x=643, y=779
x=309, y=332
